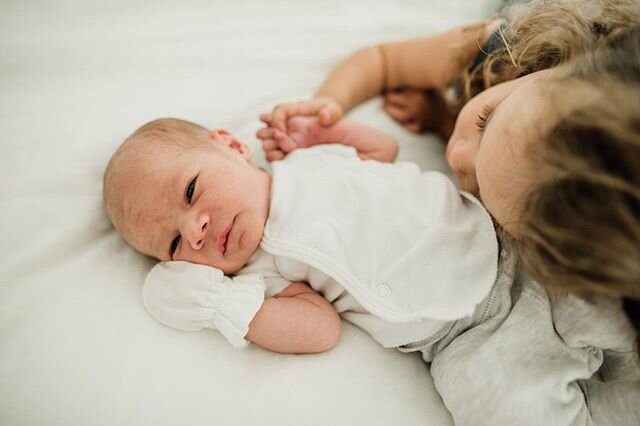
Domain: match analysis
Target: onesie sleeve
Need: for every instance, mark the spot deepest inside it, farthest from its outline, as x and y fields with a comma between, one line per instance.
x=331, y=149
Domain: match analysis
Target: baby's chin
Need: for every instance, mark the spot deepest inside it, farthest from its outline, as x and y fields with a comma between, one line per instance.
x=230, y=269
x=242, y=258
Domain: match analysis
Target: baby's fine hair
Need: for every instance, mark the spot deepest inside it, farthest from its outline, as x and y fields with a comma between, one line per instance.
x=170, y=132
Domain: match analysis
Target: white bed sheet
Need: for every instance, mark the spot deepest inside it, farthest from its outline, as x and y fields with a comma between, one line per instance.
x=76, y=77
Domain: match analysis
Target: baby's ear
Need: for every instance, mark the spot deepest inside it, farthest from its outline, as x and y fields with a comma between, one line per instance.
x=225, y=138
x=242, y=149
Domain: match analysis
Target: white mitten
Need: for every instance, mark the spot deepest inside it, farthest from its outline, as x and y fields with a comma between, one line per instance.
x=190, y=297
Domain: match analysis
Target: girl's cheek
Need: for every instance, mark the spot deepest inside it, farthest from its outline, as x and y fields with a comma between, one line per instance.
x=462, y=160
x=465, y=124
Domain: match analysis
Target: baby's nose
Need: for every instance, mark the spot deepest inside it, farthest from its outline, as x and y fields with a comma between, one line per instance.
x=199, y=232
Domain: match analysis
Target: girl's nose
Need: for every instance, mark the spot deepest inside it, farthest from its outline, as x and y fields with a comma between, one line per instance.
x=197, y=231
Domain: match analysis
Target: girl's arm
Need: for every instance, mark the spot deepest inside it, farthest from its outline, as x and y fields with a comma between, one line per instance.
x=428, y=63
x=296, y=320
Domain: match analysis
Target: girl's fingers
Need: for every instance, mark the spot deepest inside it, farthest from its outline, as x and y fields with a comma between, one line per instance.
x=398, y=113
x=307, y=108
x=325, y=117
x=269, y=145
x=265, y=133
x=396, y=98
x=285, y=143
x=330, y=115
x=279, y=117
x=266, y=118
x=281, y=113
x=274, y=155
x=413, y=126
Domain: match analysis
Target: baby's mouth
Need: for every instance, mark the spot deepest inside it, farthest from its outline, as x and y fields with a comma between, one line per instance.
x=221, y=241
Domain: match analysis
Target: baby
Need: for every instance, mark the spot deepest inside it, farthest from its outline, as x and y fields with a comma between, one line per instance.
x=398, y=252
x=394, y=250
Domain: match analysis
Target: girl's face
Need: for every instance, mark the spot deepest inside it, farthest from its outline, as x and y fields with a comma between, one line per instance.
x=487, y=148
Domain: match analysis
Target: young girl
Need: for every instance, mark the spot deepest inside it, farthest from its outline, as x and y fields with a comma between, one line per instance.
x=553, y=153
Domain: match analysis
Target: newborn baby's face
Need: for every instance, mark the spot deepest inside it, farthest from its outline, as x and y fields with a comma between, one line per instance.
x=205, y=205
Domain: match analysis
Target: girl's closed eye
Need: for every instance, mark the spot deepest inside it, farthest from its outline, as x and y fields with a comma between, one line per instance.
x=483, y=118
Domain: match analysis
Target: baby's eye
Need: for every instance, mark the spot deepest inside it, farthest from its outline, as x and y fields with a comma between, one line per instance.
x=174, y=246
x=190, y=189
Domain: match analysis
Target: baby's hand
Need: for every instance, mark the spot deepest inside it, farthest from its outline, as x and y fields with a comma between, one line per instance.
x=302, y=132
x=325, y=108
x=190, y=297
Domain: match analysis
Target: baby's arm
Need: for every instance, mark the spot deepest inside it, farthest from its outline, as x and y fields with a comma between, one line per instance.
x=296, y=320
x=190, y=297
x=303, y=132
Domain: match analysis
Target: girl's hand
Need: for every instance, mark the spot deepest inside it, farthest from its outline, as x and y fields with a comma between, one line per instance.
x=325, y=108
x=408, y=107
x=419, y=110
x=301, y=133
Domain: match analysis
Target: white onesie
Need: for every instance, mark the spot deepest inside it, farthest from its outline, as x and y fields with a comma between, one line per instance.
x=397, y=251
x=409, y=259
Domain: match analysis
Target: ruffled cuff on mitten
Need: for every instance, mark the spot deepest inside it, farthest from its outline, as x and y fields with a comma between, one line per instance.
x=243, y=299
x=190, y=297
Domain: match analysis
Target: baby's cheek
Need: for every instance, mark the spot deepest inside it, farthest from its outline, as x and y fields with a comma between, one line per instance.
x=195, y=256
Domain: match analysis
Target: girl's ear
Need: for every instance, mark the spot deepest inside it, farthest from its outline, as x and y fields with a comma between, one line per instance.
x=225, y=138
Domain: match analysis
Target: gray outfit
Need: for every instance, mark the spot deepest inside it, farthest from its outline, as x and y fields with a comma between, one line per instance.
x=530, y=358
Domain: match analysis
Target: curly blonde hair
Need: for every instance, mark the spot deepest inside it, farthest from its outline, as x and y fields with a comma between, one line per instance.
x=589, y=174
x=580, y=228
x=541, y=34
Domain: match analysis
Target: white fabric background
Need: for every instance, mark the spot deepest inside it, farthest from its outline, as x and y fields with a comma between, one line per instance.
x=76, y=77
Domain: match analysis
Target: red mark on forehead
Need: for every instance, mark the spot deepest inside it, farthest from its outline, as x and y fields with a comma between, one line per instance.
x=162, y=220
x=157, y=229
